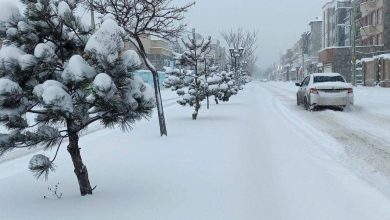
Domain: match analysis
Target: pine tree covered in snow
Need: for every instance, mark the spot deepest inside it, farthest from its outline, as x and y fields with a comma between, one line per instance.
x=57, y=78
x=221, y=85
x=243, y=76
x=191, y=84
x=140, y=18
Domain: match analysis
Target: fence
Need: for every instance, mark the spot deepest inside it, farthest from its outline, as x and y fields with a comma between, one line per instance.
x=147, y=77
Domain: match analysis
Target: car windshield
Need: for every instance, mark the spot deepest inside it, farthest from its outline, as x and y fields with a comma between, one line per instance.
x=320, y=79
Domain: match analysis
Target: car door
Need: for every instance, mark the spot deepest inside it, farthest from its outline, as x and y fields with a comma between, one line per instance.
x=306, y=85
x=302, y=89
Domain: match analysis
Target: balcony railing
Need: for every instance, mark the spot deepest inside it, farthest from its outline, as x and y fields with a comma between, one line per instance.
x=371, y=30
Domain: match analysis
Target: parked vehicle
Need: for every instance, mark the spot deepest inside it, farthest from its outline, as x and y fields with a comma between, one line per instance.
x=324, y=90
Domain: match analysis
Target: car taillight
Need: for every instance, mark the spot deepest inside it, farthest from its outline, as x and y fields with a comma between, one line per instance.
x=350, y=90
x=313, y=91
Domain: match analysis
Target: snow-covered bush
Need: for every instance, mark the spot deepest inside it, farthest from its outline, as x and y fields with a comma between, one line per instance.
x=57, y=78
x=226, y=86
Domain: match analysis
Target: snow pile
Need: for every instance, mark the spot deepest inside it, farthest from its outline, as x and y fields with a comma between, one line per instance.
x=8, y=11
x=39, y=89
x=11, y=57
x=48, y=132
x=39, y=162
x=224, y=86
x=103, y=86
x=214, y=79
x=64, y=10
x=108, y=17
x=140, y=92
x=332, y=85
x=24, y=27
x=8, y=87
x=106, y=43
x=12, y=32
x=56, y=98
x=26, y=61
x=45, y=52
x=78, y=70
x=131, y=59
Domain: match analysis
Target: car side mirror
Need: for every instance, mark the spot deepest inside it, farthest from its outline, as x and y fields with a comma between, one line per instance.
x=298, y=84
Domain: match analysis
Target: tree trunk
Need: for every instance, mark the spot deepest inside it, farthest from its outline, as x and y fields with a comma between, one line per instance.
x=208, y=102
x=79, y=168
x=195, y=114
x=216, y=100
x=160, y=109
x=197, y=107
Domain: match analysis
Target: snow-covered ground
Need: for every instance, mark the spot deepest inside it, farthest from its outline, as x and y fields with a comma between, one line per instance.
x=257, y=157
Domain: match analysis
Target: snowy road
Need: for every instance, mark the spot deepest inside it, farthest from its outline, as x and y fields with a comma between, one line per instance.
x=362, y=130
x=258, y=157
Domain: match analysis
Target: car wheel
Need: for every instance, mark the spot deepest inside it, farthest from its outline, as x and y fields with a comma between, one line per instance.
x=306, y=104
x=298, y=102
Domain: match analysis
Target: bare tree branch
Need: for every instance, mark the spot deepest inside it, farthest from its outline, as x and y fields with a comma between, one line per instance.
x=241, y=38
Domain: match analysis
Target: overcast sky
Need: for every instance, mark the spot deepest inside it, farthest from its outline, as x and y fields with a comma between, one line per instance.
x=279, y=22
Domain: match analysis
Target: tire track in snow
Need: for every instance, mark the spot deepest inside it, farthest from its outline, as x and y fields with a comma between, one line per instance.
x=361, y=144
x=359, y=112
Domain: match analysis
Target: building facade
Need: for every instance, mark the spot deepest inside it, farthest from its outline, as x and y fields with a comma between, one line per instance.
x=375, y=23
x=158, y=51
x=336, y=23
x=315, y=44
x=336, y=38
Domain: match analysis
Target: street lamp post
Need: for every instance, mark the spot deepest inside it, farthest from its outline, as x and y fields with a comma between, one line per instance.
x=235, y=54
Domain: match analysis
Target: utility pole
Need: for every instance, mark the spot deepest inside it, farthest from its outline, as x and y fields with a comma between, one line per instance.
x=353, y=44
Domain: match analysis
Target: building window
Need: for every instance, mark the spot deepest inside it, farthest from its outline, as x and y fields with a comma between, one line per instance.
x=365, y=21
x=380, y=39
x=380, y=16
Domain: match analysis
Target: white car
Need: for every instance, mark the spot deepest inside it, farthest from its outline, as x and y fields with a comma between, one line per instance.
x=324, y=89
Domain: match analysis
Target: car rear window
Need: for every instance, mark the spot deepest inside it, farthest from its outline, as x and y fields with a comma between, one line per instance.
x=320, y=79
